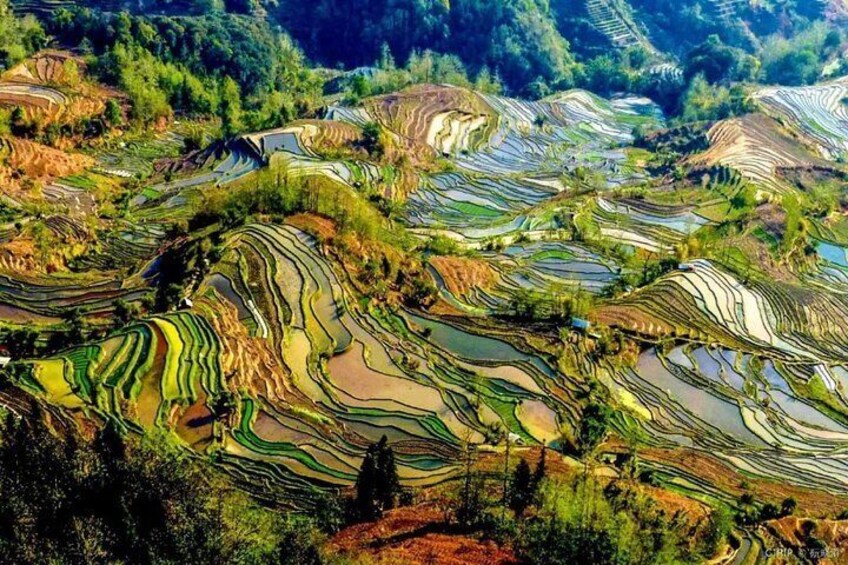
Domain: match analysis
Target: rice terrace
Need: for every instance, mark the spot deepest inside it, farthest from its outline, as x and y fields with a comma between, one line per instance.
x=480, y=281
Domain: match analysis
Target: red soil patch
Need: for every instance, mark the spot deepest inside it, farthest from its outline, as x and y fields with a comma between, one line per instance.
x=322, y=228
x=247, y=360
x=462, y=275
x=26, y=159
x=415, y=536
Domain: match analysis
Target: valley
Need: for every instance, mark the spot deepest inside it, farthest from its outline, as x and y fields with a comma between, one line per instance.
x=466, y=273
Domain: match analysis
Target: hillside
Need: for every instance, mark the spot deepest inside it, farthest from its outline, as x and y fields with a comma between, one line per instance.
x=453, y=307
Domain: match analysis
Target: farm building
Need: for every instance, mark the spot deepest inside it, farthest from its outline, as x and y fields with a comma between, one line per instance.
x=581, y=325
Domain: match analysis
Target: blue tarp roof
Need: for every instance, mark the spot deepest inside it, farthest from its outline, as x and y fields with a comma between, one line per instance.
x=580, y=323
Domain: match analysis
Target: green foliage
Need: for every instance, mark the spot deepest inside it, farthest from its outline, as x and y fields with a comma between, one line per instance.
x=142, y=77
x=718, y=528
x=177, y=266
x=524, y=486
x=579, y=522
x=170, y=63
x=76, y=326
x=421, y=68
x=521, y=488
x=373, y=140
x=230, y=108
x=594, y=425
x=788, y=506
x=126, y=312
x=19, y=37
x=557, y=304
x=120, y=500
x=718, y=62
x=272, y=191
x=113, y=114
x=800, y=59
x=442, y=245
x=794, y=222
x=474, y=501
x=21, y=342
x=516, y=39
x=705, y=102
x=745, y=199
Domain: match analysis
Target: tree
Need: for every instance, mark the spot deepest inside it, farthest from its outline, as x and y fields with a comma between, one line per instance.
x=471, y=510
x=714, y=60
x=388, y=483
x=120, y=499
x=522, y=489
x=373, y=140
x=366, y=489
x=582, y=523
x=719, y=525
x=113, y=114
x=593, y=427
x=230, y=108
x=70, y=73
x=125, y=312
x=788, y=506
x=769, y=511
x=76, y=325
x=18, y=36
x=377, y=485
x=703, y=102
x=794, y=222
x=223, y=404
x=541, y=469
x=21, y=342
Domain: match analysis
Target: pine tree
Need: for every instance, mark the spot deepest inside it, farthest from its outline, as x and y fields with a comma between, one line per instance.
x=388, y=483
x=366, y=488
x=378, y=485
x=541, y=469
x=522, y=490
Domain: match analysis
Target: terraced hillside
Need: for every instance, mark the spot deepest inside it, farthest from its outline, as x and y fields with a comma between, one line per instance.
x=758, y=149
x=746, y=414
x=317, y=376
x=447, y=269
x=818, y=111
x=615, y=21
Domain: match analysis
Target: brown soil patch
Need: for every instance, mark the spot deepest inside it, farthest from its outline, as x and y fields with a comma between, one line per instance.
x=631, y=318
x=416, y=536
x=462, y=275
x=249, y=361
x=22, y=159
x=195, y=424
x=408, y=115
x=19, y=256
x=442, y=308
x=322, y=228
